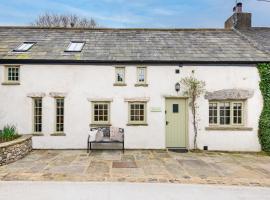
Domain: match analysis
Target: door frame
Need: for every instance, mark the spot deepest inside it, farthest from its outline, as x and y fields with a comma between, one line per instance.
x=186, y=99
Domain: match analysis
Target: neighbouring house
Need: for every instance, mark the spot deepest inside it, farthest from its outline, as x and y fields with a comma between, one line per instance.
x=56, y=82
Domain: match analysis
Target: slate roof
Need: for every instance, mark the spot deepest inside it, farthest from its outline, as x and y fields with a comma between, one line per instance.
x=260, y=36
x=142, y=45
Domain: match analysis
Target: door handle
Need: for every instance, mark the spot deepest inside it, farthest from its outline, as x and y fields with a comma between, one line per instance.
x=167, y=122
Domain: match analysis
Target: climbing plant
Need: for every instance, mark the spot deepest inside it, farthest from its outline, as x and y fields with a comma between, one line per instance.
x=264, y=123
x=193, y=88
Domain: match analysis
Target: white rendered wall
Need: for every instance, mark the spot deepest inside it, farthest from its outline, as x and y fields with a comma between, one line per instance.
x=81, y=82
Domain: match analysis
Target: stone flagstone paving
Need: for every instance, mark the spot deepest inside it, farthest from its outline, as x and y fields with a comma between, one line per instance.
x=141, y=166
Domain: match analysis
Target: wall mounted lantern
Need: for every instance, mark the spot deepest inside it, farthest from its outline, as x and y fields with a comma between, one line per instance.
x=177, y=87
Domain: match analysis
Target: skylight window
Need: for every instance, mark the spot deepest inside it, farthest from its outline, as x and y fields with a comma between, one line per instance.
x=75, y=46
x=24, y=46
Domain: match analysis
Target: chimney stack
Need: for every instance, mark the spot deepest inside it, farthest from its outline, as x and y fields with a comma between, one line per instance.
x=239, y=19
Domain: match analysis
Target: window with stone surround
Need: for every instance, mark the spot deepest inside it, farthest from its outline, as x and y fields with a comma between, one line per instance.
x=12, y=74
x=101, y=113
x=37, y=107
x=141, y=76
x=137, y=113
x=59, y=126
x=119, y=75
x=226, y=113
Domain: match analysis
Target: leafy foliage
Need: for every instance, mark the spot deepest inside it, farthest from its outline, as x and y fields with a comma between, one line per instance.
x=194, y=89
x=264, y=123
x=66, y=21
x=8, y=133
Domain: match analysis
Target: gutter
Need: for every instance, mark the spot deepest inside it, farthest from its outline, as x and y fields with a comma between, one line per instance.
x=125, y=62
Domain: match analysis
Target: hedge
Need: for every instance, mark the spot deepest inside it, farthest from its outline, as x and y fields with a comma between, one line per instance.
x=264, y=123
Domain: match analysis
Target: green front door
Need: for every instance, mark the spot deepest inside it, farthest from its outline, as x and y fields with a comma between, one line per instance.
x=176, y=118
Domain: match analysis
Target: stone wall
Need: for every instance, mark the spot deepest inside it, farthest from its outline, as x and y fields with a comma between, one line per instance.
x=15, y=150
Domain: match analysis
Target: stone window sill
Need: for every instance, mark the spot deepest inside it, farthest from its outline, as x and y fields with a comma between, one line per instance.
x=133, y=124
x=11, y=83
x=220, y=128
x=37, y=134
x=141, y=85
x=100, y=125
x=119, y=84
x=58, y=134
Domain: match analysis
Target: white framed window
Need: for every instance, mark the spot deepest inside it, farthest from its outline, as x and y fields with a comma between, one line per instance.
x=120, y=75
x=60, y=107
x=12, y=73
x=226, y=113
x=75, y=46
x=37, y=115
x=101, y=113
x=213, y=115
x=137, y=113
x=25, y=46
x=141, y=75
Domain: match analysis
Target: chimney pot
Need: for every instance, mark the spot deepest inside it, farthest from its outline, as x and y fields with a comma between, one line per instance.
x=239, y=7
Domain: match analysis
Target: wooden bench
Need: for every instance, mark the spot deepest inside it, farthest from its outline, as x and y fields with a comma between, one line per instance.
x=106, y=138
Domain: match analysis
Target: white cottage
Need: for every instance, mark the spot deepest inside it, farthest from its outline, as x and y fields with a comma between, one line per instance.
x=57, y=82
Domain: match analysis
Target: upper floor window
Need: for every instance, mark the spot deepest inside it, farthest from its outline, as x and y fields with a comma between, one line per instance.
x=120, y=75
x=25, y=46
x=12, y=74
x=101, y=112
x=141, y=76
x=75, y=46
x=226, y=113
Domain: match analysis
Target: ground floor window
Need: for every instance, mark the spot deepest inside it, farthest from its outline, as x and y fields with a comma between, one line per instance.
x=101, y=112
x=137, y=113
x=226, y=113
x=59, y=114
x=37, y=102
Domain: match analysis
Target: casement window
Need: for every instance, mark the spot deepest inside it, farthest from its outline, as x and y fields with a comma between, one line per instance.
x=226, y=113
x=59, y=126
x=37, y=107
x=120, y=75
x=12, y=74
x=75, y=46
x=100, y=113
x=137, y=113
x=141, y=75
x=25, y=46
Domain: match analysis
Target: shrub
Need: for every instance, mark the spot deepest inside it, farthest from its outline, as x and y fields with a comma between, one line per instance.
x=8, y=133
x=264, y=123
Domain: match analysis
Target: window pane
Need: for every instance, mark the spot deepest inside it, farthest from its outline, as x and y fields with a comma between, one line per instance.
x=13, y=73
x=120, y=75
x=212, y=113
x=59, y=115
x=37, y=115
x=175, y=108
x=101, y=112
x=141, y=75
x=137, y=111
x=24, y=46
x=237, y=113
x=75, y=46
x=224, y=113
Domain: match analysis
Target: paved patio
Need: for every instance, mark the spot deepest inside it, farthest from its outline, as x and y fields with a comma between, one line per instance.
x=141, y=166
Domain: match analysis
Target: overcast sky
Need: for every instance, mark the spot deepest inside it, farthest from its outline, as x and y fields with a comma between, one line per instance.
x=136, y=13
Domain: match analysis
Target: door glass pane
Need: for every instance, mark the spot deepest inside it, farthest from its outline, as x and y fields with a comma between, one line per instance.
x=175, y=108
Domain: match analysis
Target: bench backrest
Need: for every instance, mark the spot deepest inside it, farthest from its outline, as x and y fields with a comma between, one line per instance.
x=105, y=130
